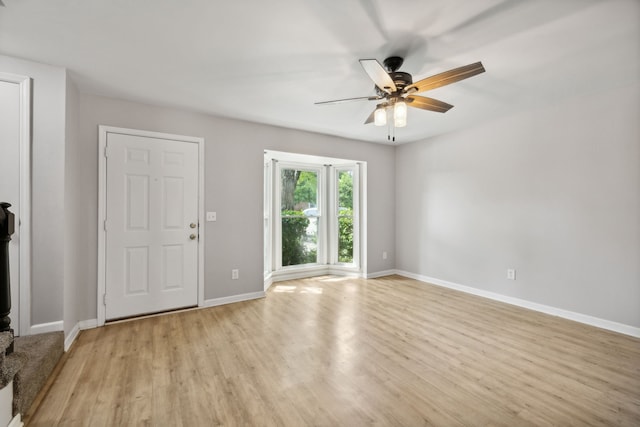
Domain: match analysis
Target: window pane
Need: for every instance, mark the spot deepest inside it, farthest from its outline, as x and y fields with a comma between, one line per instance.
x=345, y=239
x=299, y=212
x=345, y=216
x=345, y=189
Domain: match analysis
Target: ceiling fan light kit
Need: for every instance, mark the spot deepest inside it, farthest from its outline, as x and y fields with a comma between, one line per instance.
x=397, y=90
x=380, y=115
x=399, y=114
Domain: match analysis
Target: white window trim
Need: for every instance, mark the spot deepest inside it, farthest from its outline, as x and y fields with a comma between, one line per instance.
x=267, y=218
x=327, y=258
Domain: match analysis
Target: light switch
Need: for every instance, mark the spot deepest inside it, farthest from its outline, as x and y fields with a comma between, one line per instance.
x=211, y=216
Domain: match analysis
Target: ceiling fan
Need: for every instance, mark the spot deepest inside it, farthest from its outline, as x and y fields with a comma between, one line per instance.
x=397, y=90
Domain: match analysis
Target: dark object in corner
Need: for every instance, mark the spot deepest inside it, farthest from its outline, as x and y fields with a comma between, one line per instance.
x=6, y=230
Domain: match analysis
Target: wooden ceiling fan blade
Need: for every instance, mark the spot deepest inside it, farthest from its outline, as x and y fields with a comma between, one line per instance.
x=377, y=73
x=446, y=78
x=340, y=101
x=430, y=104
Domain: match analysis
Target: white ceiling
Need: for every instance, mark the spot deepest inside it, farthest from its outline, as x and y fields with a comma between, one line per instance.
x=269, y=61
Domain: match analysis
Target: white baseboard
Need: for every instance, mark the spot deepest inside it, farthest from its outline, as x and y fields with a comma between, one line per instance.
x=377, y=274
x=80, y=326
x=69, y=339
x=43, y=328
x=234, y=298
x=566, y=314
x=88, y=324
x=268, y=281
x=16, y=422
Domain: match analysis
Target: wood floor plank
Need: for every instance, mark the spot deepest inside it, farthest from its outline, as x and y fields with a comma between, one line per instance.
x=346, y=351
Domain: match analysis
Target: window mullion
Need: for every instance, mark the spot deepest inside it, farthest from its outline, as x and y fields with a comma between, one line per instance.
x=276, y=217
x=330, y=209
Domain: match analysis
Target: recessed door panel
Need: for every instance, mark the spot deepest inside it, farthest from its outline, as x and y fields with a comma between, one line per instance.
x=137, y=156
x=173, y=202
x=173, y=265
x=137, y=206
x=171, y=158
x=137, y=271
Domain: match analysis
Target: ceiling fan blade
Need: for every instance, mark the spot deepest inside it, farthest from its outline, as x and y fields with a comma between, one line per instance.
x=428, y=104
x=380, y=77
x=340, y=101
x=446, y=78
x=371, y=117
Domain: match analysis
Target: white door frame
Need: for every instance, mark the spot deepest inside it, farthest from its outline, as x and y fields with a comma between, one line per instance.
x=103, y=131
x=24, y=220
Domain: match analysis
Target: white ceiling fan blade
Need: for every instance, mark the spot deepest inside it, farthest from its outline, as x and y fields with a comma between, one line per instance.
x=380, y=77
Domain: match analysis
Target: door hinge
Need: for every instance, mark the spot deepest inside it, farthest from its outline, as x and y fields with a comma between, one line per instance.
x=106, y=151
x=104, y=299
x=104, y=224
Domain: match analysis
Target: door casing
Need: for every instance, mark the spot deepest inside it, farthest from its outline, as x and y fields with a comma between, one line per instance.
x=103, y=132
x=21, y=292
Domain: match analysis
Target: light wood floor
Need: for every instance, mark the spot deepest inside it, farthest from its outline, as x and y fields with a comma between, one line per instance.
x=348, y=352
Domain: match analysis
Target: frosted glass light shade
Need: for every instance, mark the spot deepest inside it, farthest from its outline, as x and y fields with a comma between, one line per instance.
x=400, y=114
x=380, y=116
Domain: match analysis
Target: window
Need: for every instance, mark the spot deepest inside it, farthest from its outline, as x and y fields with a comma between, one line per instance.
x=345, y=215
x=312, y=214
x=300, y=216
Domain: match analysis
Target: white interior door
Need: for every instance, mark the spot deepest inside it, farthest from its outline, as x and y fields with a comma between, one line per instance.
x=151, y=225
x=10, y=183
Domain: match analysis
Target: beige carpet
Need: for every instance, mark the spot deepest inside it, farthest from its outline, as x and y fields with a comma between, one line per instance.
x=40, y=354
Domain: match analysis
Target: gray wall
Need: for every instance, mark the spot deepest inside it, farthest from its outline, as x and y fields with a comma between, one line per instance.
x=75, y=255
x=233, y=187
x=553, y=193
x=47, y=196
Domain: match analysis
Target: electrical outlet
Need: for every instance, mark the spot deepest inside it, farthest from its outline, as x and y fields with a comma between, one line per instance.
x=211, y=216
x=511, y=274
x=384, y=255
x=235, y=274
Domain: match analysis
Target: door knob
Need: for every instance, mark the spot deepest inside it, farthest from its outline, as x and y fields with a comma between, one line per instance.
x=193, y=237
x=193, y=225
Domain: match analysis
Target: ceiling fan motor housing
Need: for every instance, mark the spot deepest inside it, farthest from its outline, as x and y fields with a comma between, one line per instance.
x=401, y=81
